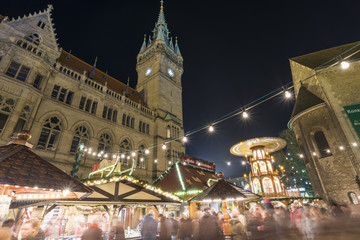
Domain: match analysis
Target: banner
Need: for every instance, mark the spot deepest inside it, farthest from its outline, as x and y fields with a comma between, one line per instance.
x=353, y=112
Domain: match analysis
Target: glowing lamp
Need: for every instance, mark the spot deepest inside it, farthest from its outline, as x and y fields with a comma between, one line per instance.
x=345, y=65
x=245, y=114
x=211, y=129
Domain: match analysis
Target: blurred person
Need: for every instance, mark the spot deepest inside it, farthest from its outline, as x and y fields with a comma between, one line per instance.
x=209, y=227
x=195, y=225
x=174, y=226
x=117, y=231
x=242, y=218
x=185, y=227
x=295, y=219
x=164, y=228
x=149, y=227
x=31, y=230
x=220, y=218
x=237, y=228
x=254, y=223
x=8, y=223
x=268, y=226
x=5, y=233
x=92, y=233
x=282, y=225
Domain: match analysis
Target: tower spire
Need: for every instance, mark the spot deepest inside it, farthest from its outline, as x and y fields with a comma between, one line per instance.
x=92, y=73
x=177, y=49
x=143, y=46
x=161, y=31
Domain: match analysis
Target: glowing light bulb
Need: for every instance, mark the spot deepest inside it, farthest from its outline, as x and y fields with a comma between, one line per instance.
x=228, y=163
x=99, y=154
x=147, y=151
x=155, y=161
x=355, y=144
x=141, y=159
x=341, y=148
x=94, y=153
x=133, y=154
x=122, y=155
x=163, y=146
x=211, y=129
x=169, y=162
x=345, y=65
x=245, y=114
x=314, y=153
x=114, y=156
x=105, y=156
x=185, y=139
x=65, y=192
x=243, y=162
x=287, y=94
x=328, y=151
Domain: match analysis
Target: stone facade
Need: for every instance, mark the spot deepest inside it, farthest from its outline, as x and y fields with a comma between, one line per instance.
x=326, y=137
x=64, y=101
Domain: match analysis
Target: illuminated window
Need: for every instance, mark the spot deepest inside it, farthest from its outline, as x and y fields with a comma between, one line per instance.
x=81, y=136
x=125, y=148
x=105, y=143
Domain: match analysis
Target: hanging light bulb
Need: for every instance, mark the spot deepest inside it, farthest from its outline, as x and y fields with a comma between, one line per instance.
x=133, y=154
x=211, y=129
x=354, y=144
x=341, y=148
x=287, y=94
x=99, y=155
x=245, y=114
x=105, y=156
x=243, y=162
x=122, y=155
x=94, y=153
x=185, y=139
x=141, y=159
x=114, y=156
x=155, y=161
x=228, y=163
x=345, y=64
x=147, y=151
x=301, y=155
x=163, y=147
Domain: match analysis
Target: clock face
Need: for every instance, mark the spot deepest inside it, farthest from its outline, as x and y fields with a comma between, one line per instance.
x=171, y=72
x=148, y=71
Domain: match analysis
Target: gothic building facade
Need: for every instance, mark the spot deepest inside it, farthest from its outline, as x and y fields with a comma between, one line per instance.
x=326, y=120
x=64, y=101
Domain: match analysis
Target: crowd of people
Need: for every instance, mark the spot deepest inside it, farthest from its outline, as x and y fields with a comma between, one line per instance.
x=258, y=223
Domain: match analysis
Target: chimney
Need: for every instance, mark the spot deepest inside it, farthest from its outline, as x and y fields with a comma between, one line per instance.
x=21, y=139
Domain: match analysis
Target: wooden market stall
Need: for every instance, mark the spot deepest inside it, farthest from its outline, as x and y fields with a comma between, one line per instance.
x=26, y=178
x=223, y=193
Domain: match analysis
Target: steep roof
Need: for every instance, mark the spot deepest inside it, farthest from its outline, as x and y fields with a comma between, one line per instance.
x=224, y=190
x=328, y=56
x=305, y=99
x=20, y=166
x=72, y=62
x=191, y=177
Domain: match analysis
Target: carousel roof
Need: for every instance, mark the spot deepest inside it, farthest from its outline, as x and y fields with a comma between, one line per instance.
x=270, y=144
x=223, y=190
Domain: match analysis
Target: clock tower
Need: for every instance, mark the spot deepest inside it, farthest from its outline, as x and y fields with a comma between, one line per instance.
x=159, y=68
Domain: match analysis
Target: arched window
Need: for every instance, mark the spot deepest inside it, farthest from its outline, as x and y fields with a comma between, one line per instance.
x=50, y=134
x=322, y=144
x=6, y=107
x=168, y=132
x=105, y=143
x=124, y=119
x=81, y=136
x=141, y=158
x=125, y=148
x=267, y=185
x=257, y=186
x=353, y=198
x=128, y=121
x=132, y=122
x=147, y=128
x=33, y=38
x=277, y=185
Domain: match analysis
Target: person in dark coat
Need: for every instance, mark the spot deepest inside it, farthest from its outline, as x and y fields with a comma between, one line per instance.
x=209, y=227
x=174, y=226
x=185, y=228
x=92, y=233
x=237, y=229
x=31, y=230
x=253, y=226
x=269, y=226
x=117, y=231
x=149, y=227
x=164, y=228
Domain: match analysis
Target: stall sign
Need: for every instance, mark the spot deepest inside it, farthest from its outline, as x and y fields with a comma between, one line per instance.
x=5, y=201
x=198, y=163
x=353, y=113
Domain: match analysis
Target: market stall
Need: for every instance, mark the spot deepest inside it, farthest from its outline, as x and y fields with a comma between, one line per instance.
x=221, y=195
x=116, y=198
x=27, y=179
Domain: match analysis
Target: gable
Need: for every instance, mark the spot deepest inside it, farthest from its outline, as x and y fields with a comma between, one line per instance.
x=38, y=23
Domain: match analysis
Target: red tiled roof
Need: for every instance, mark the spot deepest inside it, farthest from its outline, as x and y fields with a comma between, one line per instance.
x=20, y=166
x=193, y=178
x=80, y=66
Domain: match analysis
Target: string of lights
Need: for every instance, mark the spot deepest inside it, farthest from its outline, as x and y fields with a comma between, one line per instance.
x=243, y=111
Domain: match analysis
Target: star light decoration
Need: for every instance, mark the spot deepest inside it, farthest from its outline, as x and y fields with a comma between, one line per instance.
x=135, y=181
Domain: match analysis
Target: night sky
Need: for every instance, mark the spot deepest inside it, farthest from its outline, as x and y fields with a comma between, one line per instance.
x=234, y=52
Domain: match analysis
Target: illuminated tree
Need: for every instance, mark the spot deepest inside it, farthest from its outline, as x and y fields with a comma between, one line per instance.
x=295, y=174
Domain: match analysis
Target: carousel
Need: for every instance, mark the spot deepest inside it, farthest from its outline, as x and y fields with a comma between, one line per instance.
x=263, y=179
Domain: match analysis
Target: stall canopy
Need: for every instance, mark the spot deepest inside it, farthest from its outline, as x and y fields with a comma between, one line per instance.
x=119, y=190
x=28, y=178
x=224, y=191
